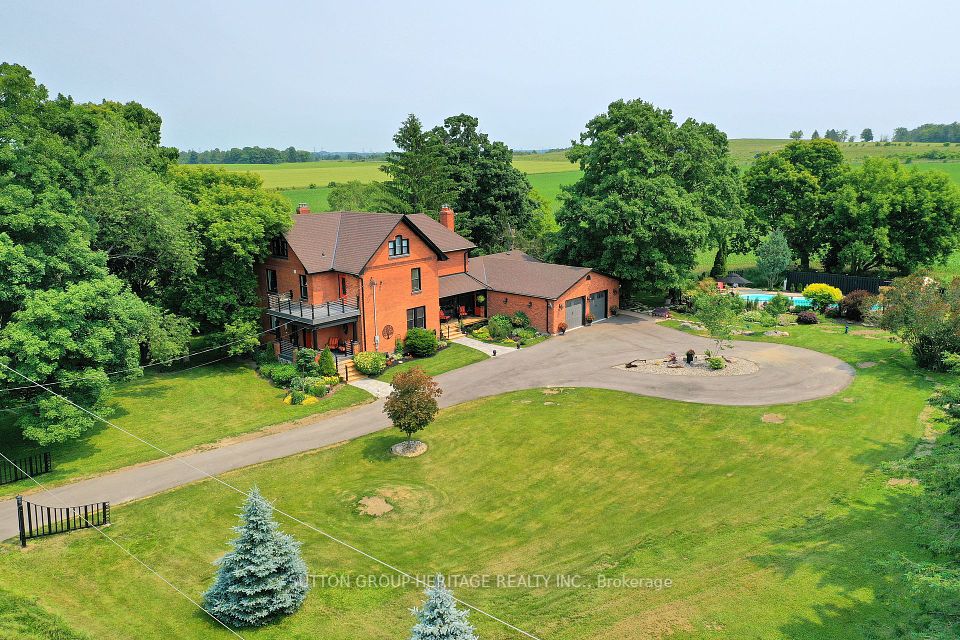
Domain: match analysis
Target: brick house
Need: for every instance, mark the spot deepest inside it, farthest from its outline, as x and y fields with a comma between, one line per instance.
x=360, y=280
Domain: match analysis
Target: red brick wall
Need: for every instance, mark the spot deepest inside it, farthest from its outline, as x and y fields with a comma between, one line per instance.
x=546, y=315
x=457, y=263
x=509, y=303
x=394, y=295
x=584, y=287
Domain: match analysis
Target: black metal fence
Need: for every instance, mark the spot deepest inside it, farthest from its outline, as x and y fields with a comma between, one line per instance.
x=844, y=282
x=34, y=465
x=36, y=520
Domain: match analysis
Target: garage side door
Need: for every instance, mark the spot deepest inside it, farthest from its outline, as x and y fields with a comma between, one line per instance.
x=598, y=304
x=574, y=315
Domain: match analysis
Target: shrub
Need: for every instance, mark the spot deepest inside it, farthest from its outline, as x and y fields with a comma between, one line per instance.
x=716, y=363
x=265, y=355
x=298, y=384
x=821, y=295
x=306, y=362
x=785, y=319
x=283, y=374
x=807, y=317
x=297, y=396
x=500, y=327
x=317, y=388
x=330, y=381
x=398, y=347
x=481, y=334
x=520, y=319
x=328, y=364
x=778, y=304
x=526, y=333
x=753, y=316
x=855, y=304
x=266, y=370
x=421, y=342
x=370, y=363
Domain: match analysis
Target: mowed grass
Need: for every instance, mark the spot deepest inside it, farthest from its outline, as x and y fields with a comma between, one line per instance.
x=770, y=531
x=176, y=411
x=316, y=199
x=453, y=357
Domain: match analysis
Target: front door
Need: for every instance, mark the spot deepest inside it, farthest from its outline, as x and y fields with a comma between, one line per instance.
x=598, y=304
x=574, y=312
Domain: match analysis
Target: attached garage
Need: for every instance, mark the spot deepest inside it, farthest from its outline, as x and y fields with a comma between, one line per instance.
x=598, y=304
x=574, y=312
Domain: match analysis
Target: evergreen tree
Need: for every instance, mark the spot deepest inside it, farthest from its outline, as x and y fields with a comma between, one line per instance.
x=440, y=619
x=773, y=258
x=328, y=365
x=816, y=135
x=420, y=177
x=264, y=576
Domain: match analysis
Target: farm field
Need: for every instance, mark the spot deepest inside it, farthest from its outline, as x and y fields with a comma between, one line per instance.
x=774, y=531
x=176, y=411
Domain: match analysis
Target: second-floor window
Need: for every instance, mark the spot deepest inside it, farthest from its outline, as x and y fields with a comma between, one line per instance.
x=271, y=281
x=399, y=246
x=303, y=287
x=278, y=247
x=343, y=285
x=415, y=280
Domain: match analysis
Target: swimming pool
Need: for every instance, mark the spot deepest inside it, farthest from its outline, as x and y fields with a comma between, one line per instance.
x=797, y=301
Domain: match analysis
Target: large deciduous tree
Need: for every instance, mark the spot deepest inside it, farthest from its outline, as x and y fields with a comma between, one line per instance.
x=412, y=404
x=887, y=217
x=790, y=190
x=645, y=205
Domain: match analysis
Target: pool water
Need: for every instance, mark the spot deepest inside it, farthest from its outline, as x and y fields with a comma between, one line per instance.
x=797, y=301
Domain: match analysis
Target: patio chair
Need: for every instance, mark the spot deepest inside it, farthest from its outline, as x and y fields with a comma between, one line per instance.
x=462, y=312
x=444, y=317
x=333, y=343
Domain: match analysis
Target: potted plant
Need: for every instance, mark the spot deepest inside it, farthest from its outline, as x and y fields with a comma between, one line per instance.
x=562, y=328
x=589, y=318
x=690, y=354
x=479, y=303
x=614, y=310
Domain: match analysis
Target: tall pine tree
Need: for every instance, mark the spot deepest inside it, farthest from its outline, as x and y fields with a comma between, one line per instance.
x=439, y=619
x=419, y=174
x=264, y=576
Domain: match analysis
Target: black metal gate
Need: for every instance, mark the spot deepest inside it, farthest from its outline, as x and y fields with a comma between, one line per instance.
x=36, y=520
x=30, y=466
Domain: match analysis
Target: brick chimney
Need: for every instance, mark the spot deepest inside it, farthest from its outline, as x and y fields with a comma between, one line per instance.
x=446, y=217
x=303, y=208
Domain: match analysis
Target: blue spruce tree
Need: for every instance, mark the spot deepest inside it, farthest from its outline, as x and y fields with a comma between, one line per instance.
x=264, y=576
x=439, y=619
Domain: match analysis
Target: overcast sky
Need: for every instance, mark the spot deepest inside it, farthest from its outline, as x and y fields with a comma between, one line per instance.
x=342, y=75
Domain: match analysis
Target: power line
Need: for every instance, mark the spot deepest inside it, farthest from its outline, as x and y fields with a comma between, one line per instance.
x=313, y=528
x=155, y=364
x=124, y=549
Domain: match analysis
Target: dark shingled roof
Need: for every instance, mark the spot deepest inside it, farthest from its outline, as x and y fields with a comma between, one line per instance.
x=522, y=274
x=346, y=240
x=457, y=283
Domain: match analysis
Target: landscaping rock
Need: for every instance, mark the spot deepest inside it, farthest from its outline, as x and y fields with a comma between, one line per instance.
x=776, y=334
x=772, y=418
x=692, y=327
x=409, y=448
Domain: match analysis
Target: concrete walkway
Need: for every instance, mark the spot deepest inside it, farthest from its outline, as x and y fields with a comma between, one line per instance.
x=487, y=348
x=376, y=388
x=584, y=358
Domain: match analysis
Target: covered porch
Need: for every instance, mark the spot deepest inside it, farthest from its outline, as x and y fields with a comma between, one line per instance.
x=461, y=297
x=296, y=325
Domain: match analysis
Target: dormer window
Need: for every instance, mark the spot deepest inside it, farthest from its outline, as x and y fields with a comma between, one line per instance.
x=278, y=247
x=399, y=246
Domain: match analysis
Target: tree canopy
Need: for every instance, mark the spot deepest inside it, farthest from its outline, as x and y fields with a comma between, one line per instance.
x=652, y=194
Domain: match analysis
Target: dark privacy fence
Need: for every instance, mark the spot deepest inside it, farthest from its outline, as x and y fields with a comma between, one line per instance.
x=36, y=520
x=845, y=283
x=34, y=465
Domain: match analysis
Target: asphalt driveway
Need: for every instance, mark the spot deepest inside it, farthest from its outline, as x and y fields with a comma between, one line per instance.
x=585, y=357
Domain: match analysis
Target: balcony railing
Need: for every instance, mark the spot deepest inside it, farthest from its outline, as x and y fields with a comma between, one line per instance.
x=329, y=312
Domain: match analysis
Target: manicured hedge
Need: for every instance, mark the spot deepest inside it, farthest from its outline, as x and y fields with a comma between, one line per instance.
x=370, y=363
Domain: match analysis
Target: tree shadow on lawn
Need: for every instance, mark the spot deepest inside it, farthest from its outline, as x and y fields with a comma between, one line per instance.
x=377, y=447
x=851, y=548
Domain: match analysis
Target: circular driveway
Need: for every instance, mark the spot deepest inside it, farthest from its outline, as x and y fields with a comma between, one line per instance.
x=588, y=358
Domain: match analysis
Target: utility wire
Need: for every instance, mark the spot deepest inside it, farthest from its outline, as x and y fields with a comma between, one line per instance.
x=122, y=548
x=331, y=537
x=153, y=364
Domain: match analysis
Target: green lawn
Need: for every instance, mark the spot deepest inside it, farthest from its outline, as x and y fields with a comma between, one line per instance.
x=176, y=411
x=772, y=531
x=453, y=357
x=315, y=198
